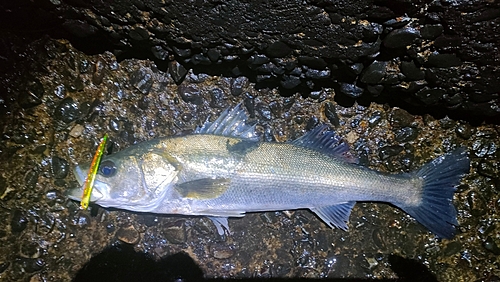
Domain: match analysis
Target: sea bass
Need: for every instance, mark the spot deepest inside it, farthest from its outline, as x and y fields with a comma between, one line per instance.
x=223, y=170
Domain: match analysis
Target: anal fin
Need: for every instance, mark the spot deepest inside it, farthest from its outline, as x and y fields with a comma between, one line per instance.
x=335, y=215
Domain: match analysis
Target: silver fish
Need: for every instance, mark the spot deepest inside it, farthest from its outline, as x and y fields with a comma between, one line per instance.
x=223, y=170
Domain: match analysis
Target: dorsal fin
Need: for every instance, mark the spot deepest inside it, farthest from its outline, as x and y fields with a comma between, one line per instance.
x=324, y=140
x=231, y=123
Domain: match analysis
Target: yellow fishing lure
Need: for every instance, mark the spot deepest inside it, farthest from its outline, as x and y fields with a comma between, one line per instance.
x=89, y=181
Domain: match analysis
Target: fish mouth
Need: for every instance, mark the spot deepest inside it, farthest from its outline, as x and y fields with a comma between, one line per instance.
x=77, y=193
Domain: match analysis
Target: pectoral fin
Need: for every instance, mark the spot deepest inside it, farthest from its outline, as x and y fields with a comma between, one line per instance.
x=335, y=215
x=204, y=188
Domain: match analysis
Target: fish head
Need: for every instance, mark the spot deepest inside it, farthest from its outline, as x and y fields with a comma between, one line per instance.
x=129, y=180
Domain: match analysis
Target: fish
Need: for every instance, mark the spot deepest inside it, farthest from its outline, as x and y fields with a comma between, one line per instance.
x=223, y=170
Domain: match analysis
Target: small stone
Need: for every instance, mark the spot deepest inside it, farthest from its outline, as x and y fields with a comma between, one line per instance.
x=213, y=55
x=257, y=60
x=200, y=59
x=411, y=71
x=290, y=81
x=431, y=31
x=431, y=96
x=401, y=37
x=278, y=50
x=443, y=60
x=217, y=98
x=175, y=232
x=128, y=234
x=389, y=151
x=401, y=118
x=492, y=246
x=313, y=62
x=31, y=94
x=60, y=167
x=238, y=84
x=177, y=71
x=222, y=251
x=142, y=80
x=76, y=131
x=19, y=221
x=159, y=52
x=351, y=90
x=406, y=134
x=31, y=265
x=374, y=73
x=138, y=33
x=67, y=111
x=190, y=94
x=477, y=206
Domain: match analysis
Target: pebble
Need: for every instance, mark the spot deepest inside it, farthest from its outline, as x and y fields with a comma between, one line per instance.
x=60, y=167
x=411, y=71
x=77, y=131
x=278, y=50
x=313, y=62
x=431, y=31
x=477, y=206
x=31, y=265
x=67, y=111
x=222, y=251
x=443, y=60
x=492, y=246
x=431, y=96
x=401, y=37
x=159, y=52
x=351, y=90
x=406, y=134
x=217, y=98
x=190, y=94
x=177, y=71
x=331, y=114
x=175, y=232
x=389, y=151
x=401, y=118
x=290, y=81
x=128, y=234
x=19, y=221
x=142, y=80
x=31, y=94
x=213, y=54
x=374, y=73
x=238, y=84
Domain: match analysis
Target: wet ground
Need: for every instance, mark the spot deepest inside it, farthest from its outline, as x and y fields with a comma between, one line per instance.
x=57, y=114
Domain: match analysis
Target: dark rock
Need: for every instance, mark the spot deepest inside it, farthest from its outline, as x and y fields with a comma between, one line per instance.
x=443, y=60
x=217, y=98
x=431, y=31
x=183, y=53
x=278, y=50
x=264, y=111
x=356, y=68
x=290, y=81
x=199, y=59
x=351, y=90
x=389, y=151
x=317, y=74
x=175, y=232
x=401, y=118
x=128, y=234
x=138, y=34
x=177, y=71
x=374, y=73
x=98, y=73
x=257, y=60
x=142, y=80
x=159, y=52
x=4, y=266
x=222, y=251
x=60, y=167
x=489, y=168
x=238, y=84
x=331, y=114
x=31, y=265
x=67, y=111
x=213, y=54
x=477, y=206
x=190, y=94
x=492, y=246
x=31, y=94
x=19, y=221
x=401, y=37
x=411, y=71
x=375, y=90
x=465, y=131
x=406, y=134
x=313, y=62
x=484, y=147
x=430, y=96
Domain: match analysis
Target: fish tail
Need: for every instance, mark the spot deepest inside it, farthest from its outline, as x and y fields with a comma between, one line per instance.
x=440, y=177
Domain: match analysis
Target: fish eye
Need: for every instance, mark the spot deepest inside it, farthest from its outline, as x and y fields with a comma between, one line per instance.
x=107, y=168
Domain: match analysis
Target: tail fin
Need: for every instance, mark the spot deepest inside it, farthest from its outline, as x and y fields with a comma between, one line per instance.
x=440, y=176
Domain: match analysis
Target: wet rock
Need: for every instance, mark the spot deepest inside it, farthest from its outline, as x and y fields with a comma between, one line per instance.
x=175, y=232
x=128, y=234
x=30, y=265
x=238, y=84
x=430, y=96
x=317, y=74
x=159, y=52
x=290, y=81
x=477, y=206
x=213, y=54
x=443, y=60
x=489, y=168
x=60, y=167
x=264, y=111
x=222, y=251
x=278, y=50
x=484, y=147
x=389, y=151
x=401, y=118
x=4, y=266
x=142, y=80
x=411, y=71
x=190, y=94
x=375, y=90
x=98, y=73
x=19, y=221
x=177, y=71
x=406, y=134
x=313, y=62
x=181, y=52
x=374, y=73
x=30, y=250
x=401, y=37
x=67, y=111
x=492, y=246
x=465, y=131
x=81, y=220
x=200, y=59
x=31, y=179
x=31, y=94
x=331, y=114
x=257, y=60
x=431, y=31
x=351, y=90
x=138, y=34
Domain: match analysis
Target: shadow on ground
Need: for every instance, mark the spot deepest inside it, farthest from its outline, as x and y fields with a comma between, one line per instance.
x=122, y=263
